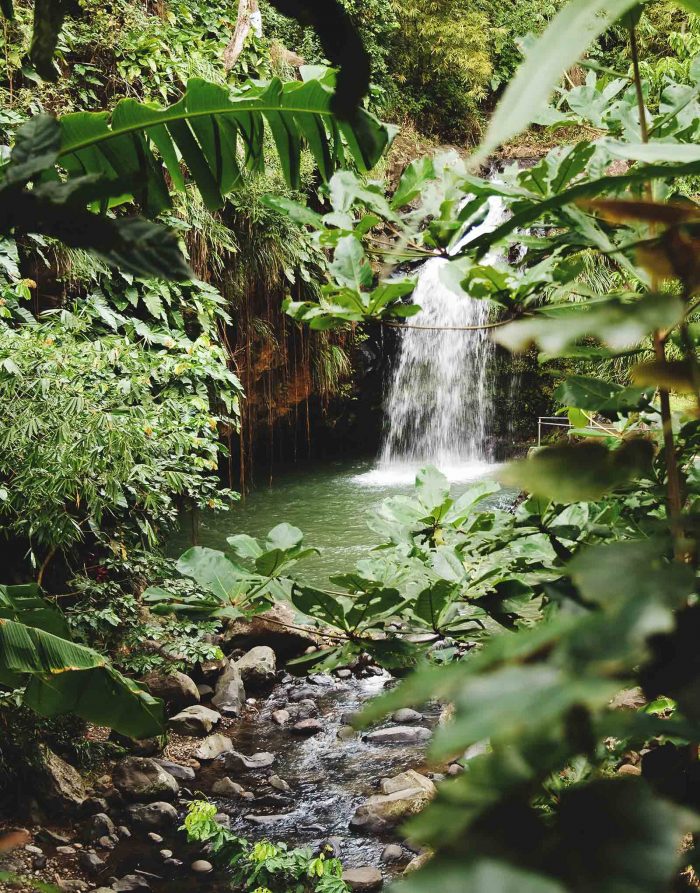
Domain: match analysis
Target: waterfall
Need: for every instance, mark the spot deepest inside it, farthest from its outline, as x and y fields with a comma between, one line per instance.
x=437, y=405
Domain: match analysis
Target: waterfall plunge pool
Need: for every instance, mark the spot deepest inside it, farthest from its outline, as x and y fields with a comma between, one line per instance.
x=330, y=503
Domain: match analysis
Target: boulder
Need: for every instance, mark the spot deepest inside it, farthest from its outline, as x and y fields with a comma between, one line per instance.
x=62, y=788
x=404, y=795
x=406, y=781
x=213, y=746
x=90, y=862
x=131, y=883
x=279, y=628
x=258, y=666
x=392, y=852
x=399, y=735
x=177, y=770
x=363, y=879
x=279, y=783
x=99, y=825
x=238, y=761
x=142, y=779
x=227, y=787
x=212, y=669
x=307, y=727
x=205, y=691
x=229, y=694
x=406, y=717
x=176, y=689
x=196, y=720
x=153, y=815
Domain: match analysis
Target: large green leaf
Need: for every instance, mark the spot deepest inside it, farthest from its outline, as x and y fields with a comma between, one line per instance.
x=214, y=130
x=578, y=24
x=25, y=604
x=65, y=677
x=483, y=876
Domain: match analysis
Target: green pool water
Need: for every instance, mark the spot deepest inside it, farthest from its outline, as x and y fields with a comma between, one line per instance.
x=330, y=503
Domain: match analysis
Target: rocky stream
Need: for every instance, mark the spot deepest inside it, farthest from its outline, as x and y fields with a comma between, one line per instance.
x=278, y=756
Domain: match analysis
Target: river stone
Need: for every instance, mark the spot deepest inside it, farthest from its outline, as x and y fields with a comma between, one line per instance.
x=344, y=674
x=213, y=746
x=307, y=727
x=363, y=879
x=175, y=688
x=196, y=720
x=62, y=788
x=226, y=787
x=131, y=883
x=398, y=735
x=279, y=783
x=406, y=716
x=229, y=694
x=322, y=679
x=90, y=861
x=392, y=852
x=201, y=866
x=347, y=733
x=235, y=760
x=98, y=825
x=405, y=781
x=142, y=779
x=392, y=807
x=264, y=819
x=177, y=770
x=306, y=709
x=280, y=717
x=153, y=815
x=302, y=693
x=258, y=666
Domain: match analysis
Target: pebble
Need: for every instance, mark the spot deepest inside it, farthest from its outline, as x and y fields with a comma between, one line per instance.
x=123, y=831
x=106, y=842
x=156, y=838
x=166, y=854
x=201, y=866
x=455, y=769
x=280, y=717
x=226, y=787
x=34, y=850
x=406, y=716
x=66, y=850
x=363, y=879
x=343, y=674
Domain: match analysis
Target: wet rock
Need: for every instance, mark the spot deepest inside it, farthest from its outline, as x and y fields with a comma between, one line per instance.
x=131, y=883
x=302, y=693
x=258, y=666
x=153, y=815
x=264, y=819
x=367, y=824
x=235, y=760
x=213, y=746
x=280, y=717
x=142, y=779
x=306, y=709
x=124, y=832
x=455, y=769
x=90, y=862
x=406, y=716
x=404, y=795
x=66, y=850
x=196, y=720
x=201, y=866
x=107, y=843
x=343, y=674
x=392, y=853
x=155, y=838
x=176, y=689
x=62, y=788
x=399, y=735
x=166, y=854
x=98, y=825
x=322, y=679
x=53, y=837
x=406, y=781
x=307, y=727
x=34, y=850
x=226, y=787
x=279, y=783
x=333, y=847
x=274, y=800
x=222, y=819
x=229, y=693
x=363, y=879
x=346, y=733
x=417, y=862
x=177, y=770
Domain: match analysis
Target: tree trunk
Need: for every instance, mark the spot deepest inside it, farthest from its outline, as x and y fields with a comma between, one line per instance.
x=248, y=17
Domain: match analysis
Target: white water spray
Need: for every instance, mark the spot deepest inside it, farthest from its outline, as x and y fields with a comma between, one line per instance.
x=438, y=403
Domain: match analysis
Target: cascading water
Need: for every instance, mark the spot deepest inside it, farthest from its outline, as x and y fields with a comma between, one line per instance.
x=438, y=405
